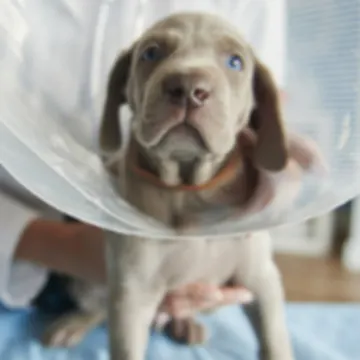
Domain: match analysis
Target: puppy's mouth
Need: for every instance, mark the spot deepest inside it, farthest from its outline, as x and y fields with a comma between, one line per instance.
x=182, y=143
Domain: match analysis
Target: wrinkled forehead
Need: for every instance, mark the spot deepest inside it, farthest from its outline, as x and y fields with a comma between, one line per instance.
x=198, y=31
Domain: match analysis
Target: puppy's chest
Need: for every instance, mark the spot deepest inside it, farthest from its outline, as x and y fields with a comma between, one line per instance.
x=169, y=206
x=183, y=262
x=211, y=261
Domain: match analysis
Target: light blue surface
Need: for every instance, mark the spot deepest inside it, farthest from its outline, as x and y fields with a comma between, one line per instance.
x=319, y=332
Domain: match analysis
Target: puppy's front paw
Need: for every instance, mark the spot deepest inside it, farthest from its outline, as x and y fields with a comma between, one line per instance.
x=67, y=332
x=186, y=332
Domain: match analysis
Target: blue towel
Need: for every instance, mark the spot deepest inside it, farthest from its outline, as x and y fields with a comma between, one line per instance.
x=319, y=332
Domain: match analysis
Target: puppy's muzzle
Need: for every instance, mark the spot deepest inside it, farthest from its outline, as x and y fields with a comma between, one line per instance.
x=187, y=90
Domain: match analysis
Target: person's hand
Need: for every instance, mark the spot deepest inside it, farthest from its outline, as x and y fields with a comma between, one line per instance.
x=197, y=297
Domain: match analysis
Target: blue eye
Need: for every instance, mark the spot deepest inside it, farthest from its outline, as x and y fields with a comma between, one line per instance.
x=152, y=53
x=234, y=62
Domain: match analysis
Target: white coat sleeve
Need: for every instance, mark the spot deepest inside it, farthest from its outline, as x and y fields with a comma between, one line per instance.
x=20, y=281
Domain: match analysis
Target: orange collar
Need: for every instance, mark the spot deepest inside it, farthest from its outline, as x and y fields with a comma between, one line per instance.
x=226, y=174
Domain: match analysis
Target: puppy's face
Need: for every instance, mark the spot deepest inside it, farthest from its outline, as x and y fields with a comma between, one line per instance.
x=190, y=87
x=193, y=84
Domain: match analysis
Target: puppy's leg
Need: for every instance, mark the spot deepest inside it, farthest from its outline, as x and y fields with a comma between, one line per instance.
x=71, y=329
x=267, y=315
x=253, y=313
x=137, y=307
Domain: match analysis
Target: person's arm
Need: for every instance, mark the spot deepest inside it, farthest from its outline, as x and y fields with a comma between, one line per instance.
x=73, y=249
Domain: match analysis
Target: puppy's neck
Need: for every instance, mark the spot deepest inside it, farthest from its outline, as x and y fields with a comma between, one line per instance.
x=232, y=185
x=177, y=172
x=199, y=174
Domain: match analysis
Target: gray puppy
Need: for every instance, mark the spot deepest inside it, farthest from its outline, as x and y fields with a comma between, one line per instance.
x=195, y=87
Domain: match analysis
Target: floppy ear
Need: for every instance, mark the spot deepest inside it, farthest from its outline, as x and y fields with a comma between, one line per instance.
x=110, y=129
x=271, y=151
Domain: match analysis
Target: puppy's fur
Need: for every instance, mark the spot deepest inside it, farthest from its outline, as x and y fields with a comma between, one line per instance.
x=194, y=85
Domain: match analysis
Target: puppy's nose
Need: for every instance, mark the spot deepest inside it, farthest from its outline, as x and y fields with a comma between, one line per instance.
x=185, y=90
x=199, y=95
x=174, y=88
